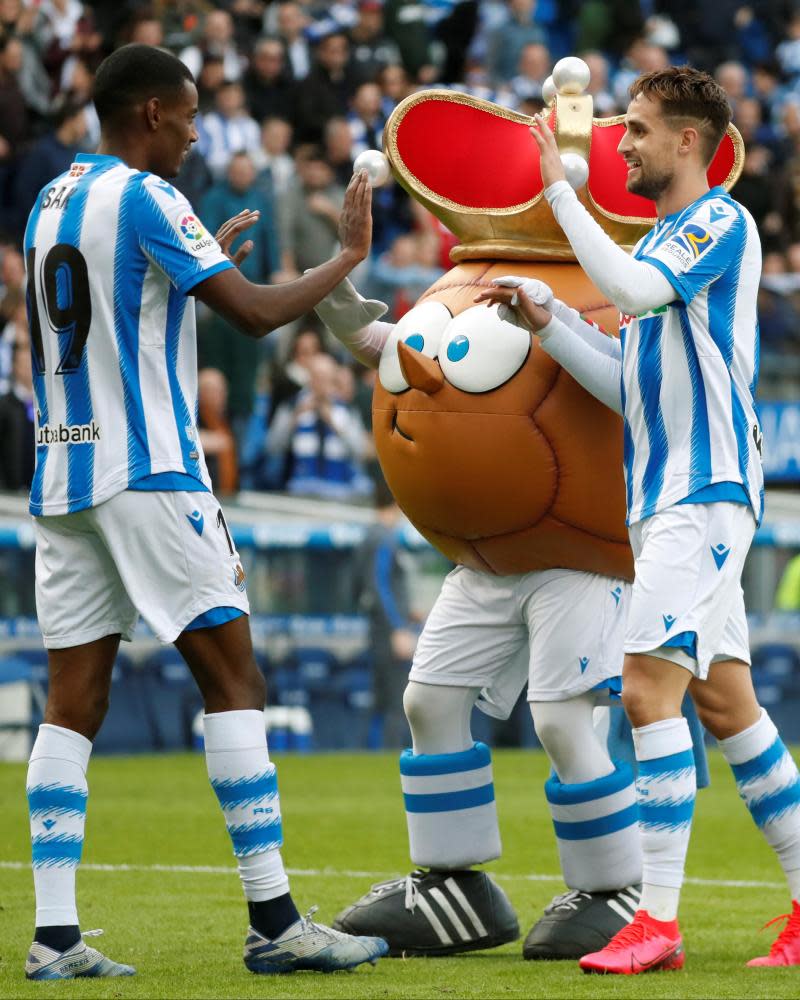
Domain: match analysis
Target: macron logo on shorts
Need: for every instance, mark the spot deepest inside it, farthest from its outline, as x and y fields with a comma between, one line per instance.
x=196, y=521
x=669, y=621
x=720, y=554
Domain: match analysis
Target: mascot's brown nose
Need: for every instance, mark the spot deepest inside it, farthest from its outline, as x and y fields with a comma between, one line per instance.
x=420, y=372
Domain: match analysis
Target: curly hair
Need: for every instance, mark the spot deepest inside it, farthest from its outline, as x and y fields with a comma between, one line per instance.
x=687, y=97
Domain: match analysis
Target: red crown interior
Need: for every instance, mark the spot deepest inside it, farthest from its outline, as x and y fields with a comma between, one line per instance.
x=468, y=155
x=480, y=160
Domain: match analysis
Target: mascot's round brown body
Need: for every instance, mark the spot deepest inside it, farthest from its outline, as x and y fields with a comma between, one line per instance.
x=524, y=477
x=528, y=474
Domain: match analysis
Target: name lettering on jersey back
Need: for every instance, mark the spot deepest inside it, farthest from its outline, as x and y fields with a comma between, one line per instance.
x=57, y=196
x=68, y=434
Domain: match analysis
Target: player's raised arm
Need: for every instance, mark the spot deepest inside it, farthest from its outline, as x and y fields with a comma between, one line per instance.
x=257, y=309
x=633, y=286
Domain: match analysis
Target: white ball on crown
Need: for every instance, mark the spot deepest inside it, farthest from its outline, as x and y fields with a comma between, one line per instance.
x=549, y=91
x=571, y=76
x=375, y=164
x=576, y=169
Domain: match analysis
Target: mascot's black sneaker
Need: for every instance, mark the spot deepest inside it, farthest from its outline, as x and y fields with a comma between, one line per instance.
x=577, y=923
x=434, y=913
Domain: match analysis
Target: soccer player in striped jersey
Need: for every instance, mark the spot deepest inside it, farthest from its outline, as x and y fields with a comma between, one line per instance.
x=124, y=518
x=684, y=377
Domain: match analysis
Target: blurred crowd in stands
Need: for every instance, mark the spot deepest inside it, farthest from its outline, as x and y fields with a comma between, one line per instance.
x=291, y=91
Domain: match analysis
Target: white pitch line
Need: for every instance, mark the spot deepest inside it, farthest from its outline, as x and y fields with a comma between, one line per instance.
x=722, y=883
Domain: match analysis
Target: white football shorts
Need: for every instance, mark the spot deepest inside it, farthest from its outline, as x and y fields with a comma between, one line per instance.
x=688, y=569
x=166, y=556
x=560, y=630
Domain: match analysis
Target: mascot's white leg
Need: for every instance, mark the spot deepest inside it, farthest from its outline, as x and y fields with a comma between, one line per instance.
x=447, y=781
x=592, y=800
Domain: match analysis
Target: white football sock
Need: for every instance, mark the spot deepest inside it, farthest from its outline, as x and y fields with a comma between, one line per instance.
x=769, y=783
x=665, y=789
x=57, y=794
x=245, y=783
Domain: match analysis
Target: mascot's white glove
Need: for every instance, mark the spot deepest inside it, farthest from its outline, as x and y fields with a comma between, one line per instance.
x=537, y=291
x=345, y=312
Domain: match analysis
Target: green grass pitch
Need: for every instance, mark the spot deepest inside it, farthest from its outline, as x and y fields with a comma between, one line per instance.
x=344, y=827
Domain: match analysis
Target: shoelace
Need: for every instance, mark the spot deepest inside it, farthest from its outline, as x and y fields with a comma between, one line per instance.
x=634, y=933
x=94, y=933
x=412, y=893
x=791, y=929
x=567, y=900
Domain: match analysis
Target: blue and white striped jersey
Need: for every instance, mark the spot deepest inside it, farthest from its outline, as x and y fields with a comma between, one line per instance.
x=689, y=369
x=111, y=255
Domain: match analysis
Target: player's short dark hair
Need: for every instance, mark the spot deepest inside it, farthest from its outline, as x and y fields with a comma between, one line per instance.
x=688, y=96
x=133, y=74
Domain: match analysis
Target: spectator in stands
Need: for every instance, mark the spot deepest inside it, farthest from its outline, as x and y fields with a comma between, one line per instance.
x=15, y=123
x=212, y=77
x=290, y=23
x=366, y=119
x=507, y=42
x=14, y=320
x=12, y=271
x=338, y=148
x=18, y=21
x=216, y=40
x=288, y=379
x=268, y=83
x=534, y=68
x=228, y=129
x=372, y=49
x=406, y=22
x=216, y=436
x=309, y=213
x=48, y=157
x=640, y=57
x=788, y=52
x=145, y=29
x=599, y=85
x=405, y=271
x=395, y=85
x=757, y=189
x=273, y=160
x=65, y=28
x=17, y=451
x=382, y=593
x=218, y=345
x=321, y=440
x=327, y=89
x=77, y=81
x=733, y=77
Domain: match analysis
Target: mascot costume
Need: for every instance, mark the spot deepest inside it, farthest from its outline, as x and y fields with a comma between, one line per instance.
x=508, y=467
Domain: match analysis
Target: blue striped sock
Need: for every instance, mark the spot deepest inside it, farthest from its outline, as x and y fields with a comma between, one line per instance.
x=665, y=790
x=597, y=831
x=769, y=783
x=57, y=795
x=450, y=807
x=245, y=782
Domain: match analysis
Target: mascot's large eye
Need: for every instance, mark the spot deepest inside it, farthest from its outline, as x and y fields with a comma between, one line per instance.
x=481, y=351
x=421, y=328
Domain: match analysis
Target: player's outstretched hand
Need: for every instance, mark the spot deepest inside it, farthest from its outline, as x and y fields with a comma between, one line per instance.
x=231, y=229
x=528, y=313
x=355, y=223
x=549, y=156
x=537, y=291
